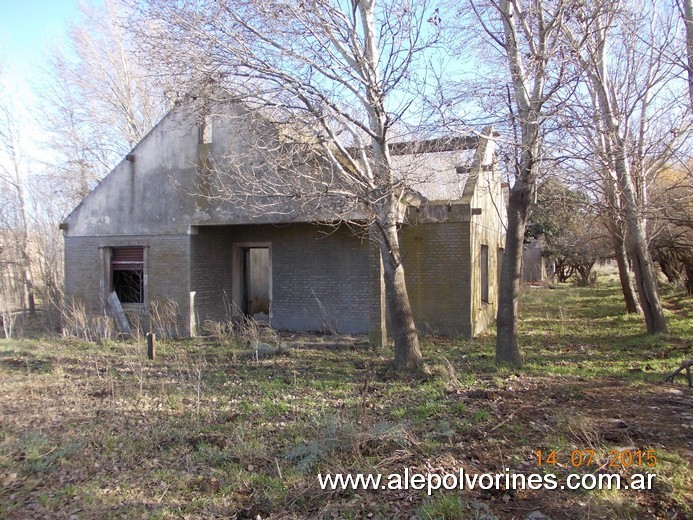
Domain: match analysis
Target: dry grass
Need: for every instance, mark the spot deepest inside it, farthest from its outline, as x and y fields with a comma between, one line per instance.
x=213, y=429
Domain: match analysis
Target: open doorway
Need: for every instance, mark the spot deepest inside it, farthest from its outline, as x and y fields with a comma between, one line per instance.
x=253, y=281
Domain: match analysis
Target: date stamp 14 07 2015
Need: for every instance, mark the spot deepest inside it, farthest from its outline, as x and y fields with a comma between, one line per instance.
x=615, y=458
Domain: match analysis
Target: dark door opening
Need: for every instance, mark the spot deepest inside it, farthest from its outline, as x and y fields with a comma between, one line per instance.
x=255, y=282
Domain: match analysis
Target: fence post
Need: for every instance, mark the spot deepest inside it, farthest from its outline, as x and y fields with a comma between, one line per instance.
x=151, y=345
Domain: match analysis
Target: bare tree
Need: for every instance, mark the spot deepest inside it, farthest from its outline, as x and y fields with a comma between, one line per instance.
x=13, y=175
x=588, y=168
x=634, y=115
x=102, y=100
x=686, y=7
x=336, y=77
x=613, y=217
x=528, y=35
x=670, y=225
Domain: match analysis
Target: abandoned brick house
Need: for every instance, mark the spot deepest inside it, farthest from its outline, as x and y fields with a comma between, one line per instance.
x=148, y=234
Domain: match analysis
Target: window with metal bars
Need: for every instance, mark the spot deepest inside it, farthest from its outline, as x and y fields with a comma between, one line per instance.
x=127, y=273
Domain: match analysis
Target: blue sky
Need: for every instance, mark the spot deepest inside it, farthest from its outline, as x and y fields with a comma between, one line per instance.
x=28, y=28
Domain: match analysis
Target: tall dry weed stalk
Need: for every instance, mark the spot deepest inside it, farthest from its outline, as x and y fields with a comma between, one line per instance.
x=164, y=318
x=78, y=323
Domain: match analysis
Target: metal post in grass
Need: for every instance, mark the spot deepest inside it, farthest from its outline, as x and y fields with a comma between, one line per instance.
x=151, y=345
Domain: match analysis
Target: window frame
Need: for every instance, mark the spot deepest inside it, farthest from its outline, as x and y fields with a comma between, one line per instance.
x=108, y=278
x=484, y=285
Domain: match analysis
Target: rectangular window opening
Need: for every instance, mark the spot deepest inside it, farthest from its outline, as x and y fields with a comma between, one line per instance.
x=483, y=264
x=206, y=130
x=127, y=274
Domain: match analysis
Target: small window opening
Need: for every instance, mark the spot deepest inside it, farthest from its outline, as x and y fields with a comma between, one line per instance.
x=483, y=261
x=206, y=130
x=127, y=274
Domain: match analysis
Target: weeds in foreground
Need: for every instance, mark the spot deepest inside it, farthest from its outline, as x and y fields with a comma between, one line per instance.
x=78, y=323
x=214, y=428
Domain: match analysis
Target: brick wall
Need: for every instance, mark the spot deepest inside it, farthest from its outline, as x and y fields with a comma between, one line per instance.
x=210, y=273
x=486, y=228
x=319, y=275
x=168, y=267
x=84, y=272
x=166, y=270
x=437, y=269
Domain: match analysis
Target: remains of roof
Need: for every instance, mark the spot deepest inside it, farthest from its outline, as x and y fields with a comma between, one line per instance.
x=441, y=144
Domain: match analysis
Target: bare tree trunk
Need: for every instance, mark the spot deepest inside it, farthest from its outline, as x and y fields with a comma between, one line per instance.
x=29, y=286
x=688, y=18
x=507, y=346
x=407, y=351
x=621, y=255
x=614, y=224
x=27, y=276
x=528, y=85
x=644, y=271
x=689, y=277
